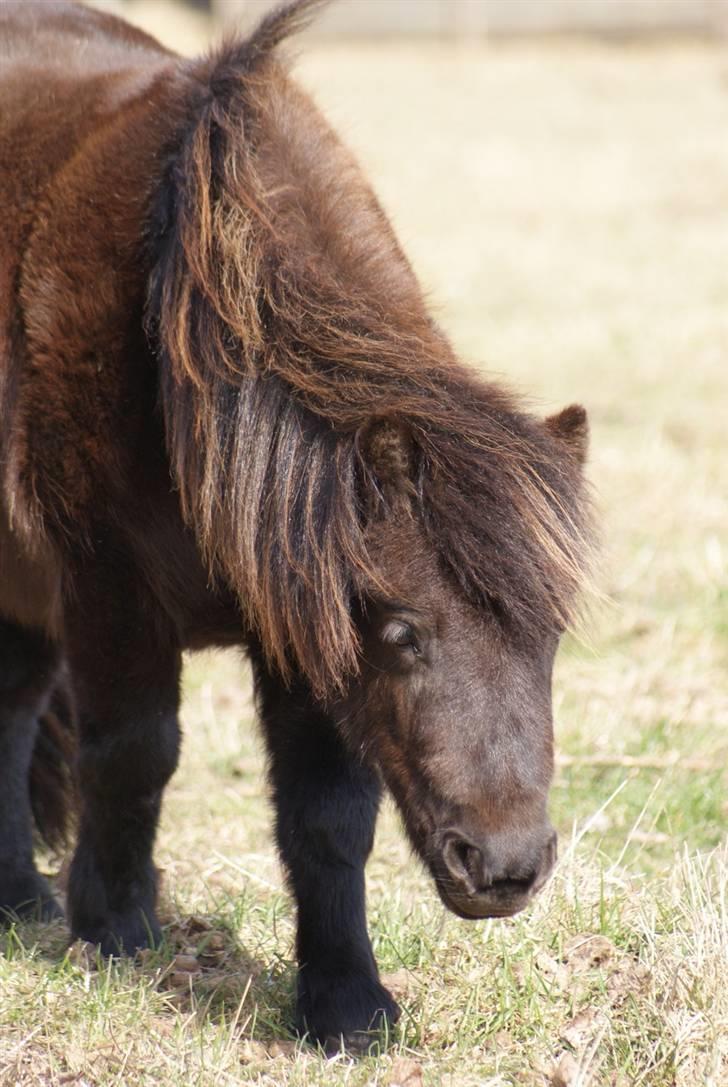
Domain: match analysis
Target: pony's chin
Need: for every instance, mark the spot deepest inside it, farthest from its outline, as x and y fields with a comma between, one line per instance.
x=479, y=907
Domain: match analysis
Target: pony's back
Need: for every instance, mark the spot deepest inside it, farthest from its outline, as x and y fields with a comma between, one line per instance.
x=86, y=113
x=64, y=72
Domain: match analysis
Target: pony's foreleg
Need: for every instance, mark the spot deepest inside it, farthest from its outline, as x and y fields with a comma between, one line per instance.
x=326, y=805
x=126, y=687
x=28, y=664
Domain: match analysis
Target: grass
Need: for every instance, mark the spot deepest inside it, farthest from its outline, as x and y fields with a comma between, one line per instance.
x=565, y=205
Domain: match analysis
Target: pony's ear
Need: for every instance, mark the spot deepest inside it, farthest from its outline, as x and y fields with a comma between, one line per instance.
x=385, y=447
x=571, y=427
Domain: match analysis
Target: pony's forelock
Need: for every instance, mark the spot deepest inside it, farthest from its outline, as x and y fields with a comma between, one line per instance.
x=288, y=323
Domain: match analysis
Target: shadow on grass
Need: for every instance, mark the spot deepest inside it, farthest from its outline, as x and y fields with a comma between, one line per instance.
x=200, y=974
x=201, y=969
x=207, y=971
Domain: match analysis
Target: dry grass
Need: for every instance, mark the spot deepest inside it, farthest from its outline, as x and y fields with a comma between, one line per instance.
x=566, y=207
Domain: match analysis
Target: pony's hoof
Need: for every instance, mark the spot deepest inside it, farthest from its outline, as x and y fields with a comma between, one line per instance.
x=346, y=1012
x=356, y=1043
x=28, y=898
x=121, y=934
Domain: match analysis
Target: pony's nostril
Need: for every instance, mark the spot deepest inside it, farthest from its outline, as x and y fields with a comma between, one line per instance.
x=511, y=890
x=464, y=861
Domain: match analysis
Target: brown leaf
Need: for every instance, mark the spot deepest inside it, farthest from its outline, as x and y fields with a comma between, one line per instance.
x=180, y=979
x=187, y=964
x=282, y=1049
x=566, y=1072
x=212, y=948
x=252, y=1052
x=84, y=955
x=580, y=1029
x=399, y=982
x=630, y=980
x=503, y=1040
x=587, y=950
x=195, y=923
x=406, y=1073
x=555, y=971
x=214, y=942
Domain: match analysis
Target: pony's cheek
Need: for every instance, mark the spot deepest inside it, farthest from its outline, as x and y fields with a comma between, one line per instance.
x=382, y=729
x=407, y=710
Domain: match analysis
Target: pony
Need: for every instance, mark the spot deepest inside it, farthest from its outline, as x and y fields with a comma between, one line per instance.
x=228, y=419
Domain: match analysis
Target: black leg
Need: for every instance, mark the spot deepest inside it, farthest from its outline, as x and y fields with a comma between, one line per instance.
x=126, y=686
x=326, y=807
x=28, y=664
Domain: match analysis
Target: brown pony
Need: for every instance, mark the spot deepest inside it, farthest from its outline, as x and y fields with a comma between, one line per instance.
x=227, y=419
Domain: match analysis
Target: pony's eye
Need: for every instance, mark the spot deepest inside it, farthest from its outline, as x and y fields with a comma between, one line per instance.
x=400, y=634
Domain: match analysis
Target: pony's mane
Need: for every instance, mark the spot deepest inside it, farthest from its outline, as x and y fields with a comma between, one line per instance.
x=289, y=324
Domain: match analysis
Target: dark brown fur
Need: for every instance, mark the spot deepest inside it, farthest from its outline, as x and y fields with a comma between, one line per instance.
x=229, y=419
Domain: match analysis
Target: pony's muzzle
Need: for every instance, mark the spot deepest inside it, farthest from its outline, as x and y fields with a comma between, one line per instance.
x=473, y=884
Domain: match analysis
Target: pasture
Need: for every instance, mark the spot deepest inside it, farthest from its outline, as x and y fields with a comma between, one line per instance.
x=566, y=205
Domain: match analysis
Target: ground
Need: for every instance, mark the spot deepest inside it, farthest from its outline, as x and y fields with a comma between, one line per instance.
x=566, y=205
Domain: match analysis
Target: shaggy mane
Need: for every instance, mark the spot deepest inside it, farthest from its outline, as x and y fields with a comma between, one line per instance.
x=288, y=324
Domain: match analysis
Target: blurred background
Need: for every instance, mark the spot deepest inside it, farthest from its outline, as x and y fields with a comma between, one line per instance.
x=452, y=18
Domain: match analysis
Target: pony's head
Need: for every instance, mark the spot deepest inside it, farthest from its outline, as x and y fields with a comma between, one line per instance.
x=452, y=701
